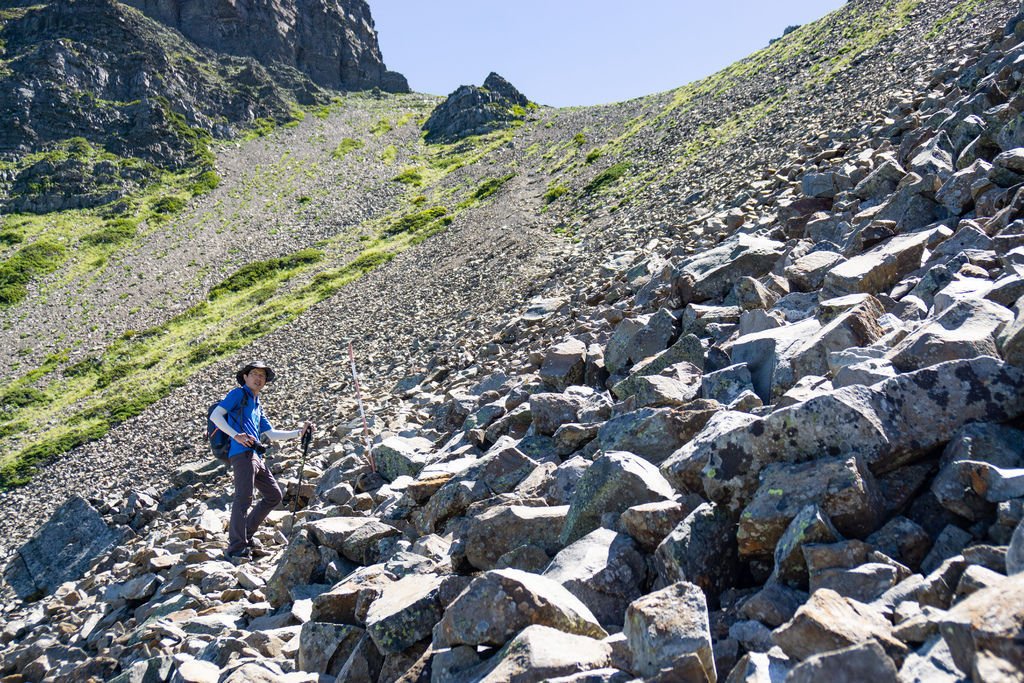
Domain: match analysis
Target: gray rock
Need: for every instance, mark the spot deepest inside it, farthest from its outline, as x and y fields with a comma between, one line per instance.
x=1015, y=555
x=472, y=110
x=807, y=273
x=752, y=635
x=405, y=612
x=564, y=364
x=950, y=541
x=711, y=273
x=965, y=330
x=512, y=600
x=855, y=328
x=650, y=523
x=963, y=467
x=296, y=567
x=504, y=528
x=843, y=488
x=701, y=550
x=399, y=456
x=984, y=631
x=325, y=648
x=686, y=349
x=865, y=583
x=540, y=654
x=933, y=663
x=829, y=622
x=614, y=482
x=878, y=269
x=760, y=667
x=61, y=550
x=810, y=525
x=666, y=625
x=854, y=664
x=651, y=433
x=605, y=571
x=881, y=424
x=903, y=540
x=773, y=605
x=727, y=384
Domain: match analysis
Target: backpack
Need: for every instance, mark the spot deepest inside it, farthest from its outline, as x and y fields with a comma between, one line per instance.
x=220, y=443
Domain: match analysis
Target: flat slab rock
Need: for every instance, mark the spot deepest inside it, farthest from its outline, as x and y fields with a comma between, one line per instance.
x=61, y=550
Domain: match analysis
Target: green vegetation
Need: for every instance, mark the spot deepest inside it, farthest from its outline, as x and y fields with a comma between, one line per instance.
x=410, y=176
x=554, y=192
x=607, y=177
x=114, y=232
x=593, y=155
x=414, y=222
x=345, y=147
x=31, y=261
x=261, y=272
x=490, y=186
x=329, y=282
x=381, y=127
x=205, y=182
x=956, y=16
x=389, y=154
x=579, y=139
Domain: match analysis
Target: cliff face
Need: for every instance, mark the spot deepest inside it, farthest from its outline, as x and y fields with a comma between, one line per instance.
x=331, y=41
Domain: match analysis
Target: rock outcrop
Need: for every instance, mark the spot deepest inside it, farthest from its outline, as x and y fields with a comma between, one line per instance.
x=333, y=43
x=473, y=110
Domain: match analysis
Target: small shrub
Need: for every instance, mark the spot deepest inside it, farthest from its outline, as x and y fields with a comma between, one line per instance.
x=554, y=192
x=419, y=200
x=389, y=154
x=21, y=397
x=346, y=146
x=593, y=155
x=11, y=236
x=31, y=261
x=381, y=127
x=579, y=139
x=607, y=177
x=18, y=471
x=205, y=182
x=169, y=204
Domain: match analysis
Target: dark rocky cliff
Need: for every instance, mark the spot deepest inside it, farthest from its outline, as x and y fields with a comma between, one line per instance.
x=332, y=42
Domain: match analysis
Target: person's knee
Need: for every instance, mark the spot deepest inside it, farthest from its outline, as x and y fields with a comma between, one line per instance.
x=274, y=496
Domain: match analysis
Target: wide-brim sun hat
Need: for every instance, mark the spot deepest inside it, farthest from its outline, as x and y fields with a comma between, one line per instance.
x=252, y=366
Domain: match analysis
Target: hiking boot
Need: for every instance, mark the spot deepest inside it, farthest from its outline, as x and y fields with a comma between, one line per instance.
x=240, y=556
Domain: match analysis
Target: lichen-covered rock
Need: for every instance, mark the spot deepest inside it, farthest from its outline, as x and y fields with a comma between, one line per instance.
x=651, y=433
x=712, y=273
x=512, y=599
x=604, y=570
x=399, y=456
x=701, y=550
x=667, y=625
x=504, y=528
x=843, y=488
x=472, y=110
x=539, y=654
x=325, y=648
x=405, y=612
x=965, y=330
x=564, y=364
x=614, y=482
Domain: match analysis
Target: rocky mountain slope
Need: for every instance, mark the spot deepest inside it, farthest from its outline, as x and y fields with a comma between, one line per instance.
x=759, y=418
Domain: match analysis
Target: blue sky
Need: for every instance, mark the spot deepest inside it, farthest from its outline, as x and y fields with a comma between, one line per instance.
x=565, y=53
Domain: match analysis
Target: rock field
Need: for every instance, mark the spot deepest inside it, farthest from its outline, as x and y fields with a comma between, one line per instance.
x=783, y=443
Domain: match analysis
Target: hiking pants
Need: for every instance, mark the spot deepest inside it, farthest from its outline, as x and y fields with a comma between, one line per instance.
x=250, y=471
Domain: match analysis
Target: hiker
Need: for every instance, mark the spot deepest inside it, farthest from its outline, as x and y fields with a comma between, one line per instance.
x=241, y=417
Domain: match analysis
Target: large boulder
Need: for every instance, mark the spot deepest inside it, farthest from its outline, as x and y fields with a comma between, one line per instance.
x=399, y=456
x=965, y=330
x=512, y=600
x=504, y=528
x=829, y=622
x=605, y=570
x=540, y=654
x=667, y=626
x=711, y=273
x=61, y=550
x=985, y=631
x=405, y=612
x=651, y=433
x=881, y=424
x=701, y=550
x=614, y=482
x=842, y=487
x=878, y=269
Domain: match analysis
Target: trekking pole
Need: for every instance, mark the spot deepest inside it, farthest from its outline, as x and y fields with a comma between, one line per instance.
x=307, y=437
x=362, y=412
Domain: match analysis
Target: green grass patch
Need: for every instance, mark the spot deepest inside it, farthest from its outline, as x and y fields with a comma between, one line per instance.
x=554, y=192
x=114, y=232
x=485, y=189
x=607, y=178
x=593, y=155
x=18, y=472
x=579, y=139
x=329, y=282
x=410, y=176
x=346, y=147
x=205, y=182
x=28, y=263
x=381, y=127
x=415, y=222
x=170, y=204
x=956, y=16
x=389, y=154
x=260, y=272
